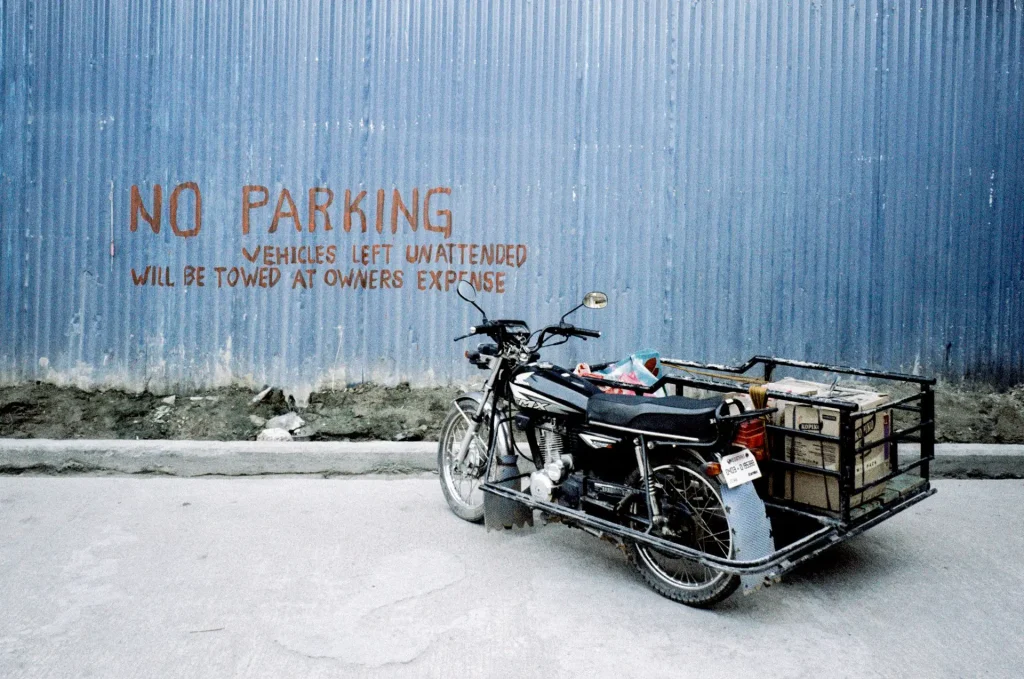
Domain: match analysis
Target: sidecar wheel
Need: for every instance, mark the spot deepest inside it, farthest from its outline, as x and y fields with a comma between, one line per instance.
x=703, y=525
x=461, y=489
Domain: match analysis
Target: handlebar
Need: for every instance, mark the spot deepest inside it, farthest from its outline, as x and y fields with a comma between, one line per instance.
x=571, y=331
x=497, y=330
x=484, y=328
x=565, y=331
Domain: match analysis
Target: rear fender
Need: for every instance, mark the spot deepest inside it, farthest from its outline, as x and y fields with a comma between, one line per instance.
x=751, y=532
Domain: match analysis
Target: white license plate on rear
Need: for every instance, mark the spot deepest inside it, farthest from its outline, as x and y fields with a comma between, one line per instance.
x=739, y=468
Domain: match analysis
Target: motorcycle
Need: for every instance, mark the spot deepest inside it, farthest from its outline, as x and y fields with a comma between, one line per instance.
x=674, y=481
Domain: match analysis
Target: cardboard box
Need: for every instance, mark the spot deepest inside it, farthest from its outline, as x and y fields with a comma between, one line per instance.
x=793, y=386
x=788, y=385
x=822, y=491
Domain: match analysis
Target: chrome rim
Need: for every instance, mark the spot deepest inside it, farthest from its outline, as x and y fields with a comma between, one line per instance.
x=464, y=484
x=705, y=527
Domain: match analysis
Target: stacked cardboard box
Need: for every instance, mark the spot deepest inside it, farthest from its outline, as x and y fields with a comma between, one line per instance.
x=815, y=489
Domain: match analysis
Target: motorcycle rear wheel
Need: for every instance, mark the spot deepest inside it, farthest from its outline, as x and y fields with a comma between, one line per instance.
x=461, y=487
x=703, y=525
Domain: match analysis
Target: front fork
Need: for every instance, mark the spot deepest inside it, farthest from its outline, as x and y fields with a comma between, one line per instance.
x=478, y=417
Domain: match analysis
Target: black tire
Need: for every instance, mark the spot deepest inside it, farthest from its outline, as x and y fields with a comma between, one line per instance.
x=716, y=585
x=452, y=431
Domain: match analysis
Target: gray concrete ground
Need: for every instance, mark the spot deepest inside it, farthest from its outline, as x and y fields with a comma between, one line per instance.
x=303, y=577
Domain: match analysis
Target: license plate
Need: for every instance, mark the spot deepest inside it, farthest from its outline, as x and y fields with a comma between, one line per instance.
x=739, y=468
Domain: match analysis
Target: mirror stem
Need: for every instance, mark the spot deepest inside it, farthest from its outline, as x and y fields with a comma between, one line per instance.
x=566, y=314
x=482, y=312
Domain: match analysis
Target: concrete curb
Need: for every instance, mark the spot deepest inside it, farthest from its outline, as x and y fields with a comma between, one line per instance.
x=250, y=458
x=973, y=460
x=222, y=458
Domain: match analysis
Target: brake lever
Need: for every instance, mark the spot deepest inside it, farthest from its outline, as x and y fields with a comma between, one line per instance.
x=458, y=339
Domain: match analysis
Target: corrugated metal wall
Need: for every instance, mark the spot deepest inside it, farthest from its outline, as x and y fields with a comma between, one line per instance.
x=831, y=181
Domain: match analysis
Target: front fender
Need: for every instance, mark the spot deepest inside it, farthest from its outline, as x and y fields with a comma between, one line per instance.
x=473, y=397
x=468, y=403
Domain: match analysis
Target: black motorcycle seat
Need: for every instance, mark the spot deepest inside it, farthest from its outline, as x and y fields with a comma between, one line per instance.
x=677, y=415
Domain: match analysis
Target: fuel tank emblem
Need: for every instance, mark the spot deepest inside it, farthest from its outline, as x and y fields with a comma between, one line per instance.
x=528, y=398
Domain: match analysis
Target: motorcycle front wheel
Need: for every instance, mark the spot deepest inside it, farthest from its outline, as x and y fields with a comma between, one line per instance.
x=696, y=518
x=461, y=484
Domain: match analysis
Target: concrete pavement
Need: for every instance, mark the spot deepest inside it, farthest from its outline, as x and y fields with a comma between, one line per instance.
x=372, y=576
x=253, y=458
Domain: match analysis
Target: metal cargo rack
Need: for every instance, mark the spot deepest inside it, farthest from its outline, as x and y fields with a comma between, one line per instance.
x=902, y=489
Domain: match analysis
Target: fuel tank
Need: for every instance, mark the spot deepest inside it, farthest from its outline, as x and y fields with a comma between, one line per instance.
x=551, y=389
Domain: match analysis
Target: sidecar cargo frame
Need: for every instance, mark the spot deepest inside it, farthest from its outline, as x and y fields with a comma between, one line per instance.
x=900, y=485
x=902, y=489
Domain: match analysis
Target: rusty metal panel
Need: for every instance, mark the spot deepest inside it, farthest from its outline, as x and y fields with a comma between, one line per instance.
x=839, y=182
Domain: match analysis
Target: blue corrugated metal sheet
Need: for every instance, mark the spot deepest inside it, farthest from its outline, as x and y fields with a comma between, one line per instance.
x=831, y=181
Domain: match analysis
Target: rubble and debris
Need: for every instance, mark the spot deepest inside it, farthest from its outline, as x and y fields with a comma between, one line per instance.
x=169, y=400
x=964, y=413
x=409, y=436
x=288, y=422
x=260, y=396
x=358, y=413
x=1009, y=422
x=299, y=397
x=274, y=435
x=161, y=412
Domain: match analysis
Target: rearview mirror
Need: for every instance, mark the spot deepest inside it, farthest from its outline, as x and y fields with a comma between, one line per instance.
x=466, y=291
x=595, y=300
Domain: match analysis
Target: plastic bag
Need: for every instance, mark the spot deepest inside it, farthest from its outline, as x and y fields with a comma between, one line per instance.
x=641, y=367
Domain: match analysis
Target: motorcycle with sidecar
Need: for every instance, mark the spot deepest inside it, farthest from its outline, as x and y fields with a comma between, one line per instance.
x=699, y=485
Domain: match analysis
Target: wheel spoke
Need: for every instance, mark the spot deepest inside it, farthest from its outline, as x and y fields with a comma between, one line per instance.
x=709, y=530
x=461, y=483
